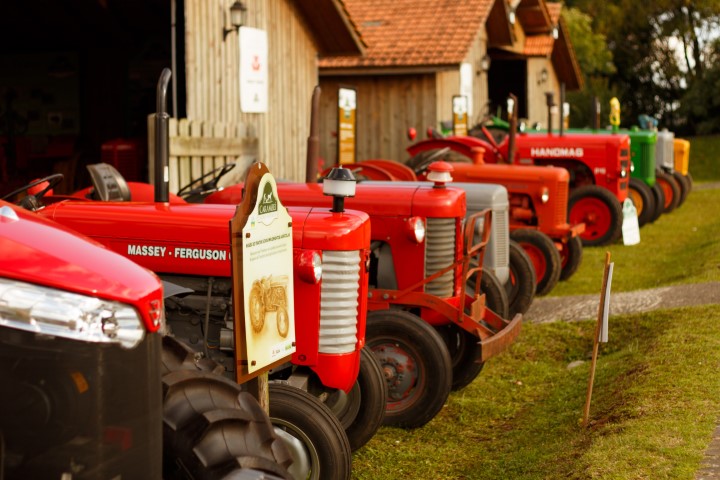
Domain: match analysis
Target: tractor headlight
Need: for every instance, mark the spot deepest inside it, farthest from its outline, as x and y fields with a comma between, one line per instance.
x=632, y=167
x=59, y=313
x=416, y=229
x=545, y=195
x=623, y=172
x=309, y=266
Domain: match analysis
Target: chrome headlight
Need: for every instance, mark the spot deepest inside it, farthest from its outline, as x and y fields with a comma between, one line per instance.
x=49, y=311
x=545, y=195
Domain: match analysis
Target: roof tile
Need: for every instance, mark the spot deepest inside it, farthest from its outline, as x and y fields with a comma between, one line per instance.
x=413, y=32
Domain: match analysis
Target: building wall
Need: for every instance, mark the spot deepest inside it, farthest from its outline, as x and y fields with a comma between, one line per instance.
x=212, y=77
x=537, y=109
x=387, y=105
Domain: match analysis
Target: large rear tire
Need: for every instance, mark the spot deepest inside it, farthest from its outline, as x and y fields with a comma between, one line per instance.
x=684, y=185
x=670, y=188
x=465, y=354
x=601, y=213
x=522, y=284
x=212, y=429
x=317, y=441
x=571, y=257
x=659, y=198
x=416, y=363
x=544, y=256
x=643, y=200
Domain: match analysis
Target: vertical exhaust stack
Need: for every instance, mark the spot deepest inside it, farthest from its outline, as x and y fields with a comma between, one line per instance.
x=595, y=113
x=313, y=141
x=550, y=102
x=162, y=139
x=562, y=108
x=513, y=121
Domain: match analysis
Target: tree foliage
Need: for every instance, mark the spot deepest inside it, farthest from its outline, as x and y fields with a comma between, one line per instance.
x=664, y=56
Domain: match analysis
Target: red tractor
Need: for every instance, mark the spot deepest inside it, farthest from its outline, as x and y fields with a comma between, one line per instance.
x=428, y=332
x=92, y=388
x=537, y=196
x=599, y=167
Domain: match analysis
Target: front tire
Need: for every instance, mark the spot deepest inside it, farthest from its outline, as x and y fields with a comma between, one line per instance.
x=465, y=354
x=643, y=200
x=684, y=185
x=522, y=284
x=671, y=190
x=416, y=363
x=659, y=198
x=320, y=448
x=571, y=257
x=544, y=256
x=601, y=212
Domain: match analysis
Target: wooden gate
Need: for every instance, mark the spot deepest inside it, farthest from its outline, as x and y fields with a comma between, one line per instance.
x=198, y=147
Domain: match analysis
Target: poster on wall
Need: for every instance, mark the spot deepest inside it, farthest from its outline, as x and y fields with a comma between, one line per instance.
x=466, y=85
x=460, y=115
x=253, y=70
x=267, y=253
x=347, y=126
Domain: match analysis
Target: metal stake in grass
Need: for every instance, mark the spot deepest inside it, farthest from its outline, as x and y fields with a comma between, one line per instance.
x=601, y=330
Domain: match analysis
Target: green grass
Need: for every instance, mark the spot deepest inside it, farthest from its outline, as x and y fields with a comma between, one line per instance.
x=653, y=411
x=680, y=247
x=705, y=158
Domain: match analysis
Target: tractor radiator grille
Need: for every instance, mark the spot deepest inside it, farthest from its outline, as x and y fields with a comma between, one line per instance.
x=561, y=204
x=339, y=301
x=439, y=253
x=499, y=237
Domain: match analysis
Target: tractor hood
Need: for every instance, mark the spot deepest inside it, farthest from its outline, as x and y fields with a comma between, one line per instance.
x=576, y=145
x=389, y=199
x=35, y=250
x=195, y=239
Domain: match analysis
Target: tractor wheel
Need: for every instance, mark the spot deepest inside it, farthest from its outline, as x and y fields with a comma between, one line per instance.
x=521, y=285
x=257, y=308
x=600, y=211
x=544, y=256
x=684, y=187
x=570, y=257
x=689, y=178
x=283, y=321
x=316, y=439
x=671, y=189
x=212, y=429
x=178, y=356
x=643, y=200
x=360, y=411
x=496, y=298
x=465, y=354
x=416, y=363
x=659, y=198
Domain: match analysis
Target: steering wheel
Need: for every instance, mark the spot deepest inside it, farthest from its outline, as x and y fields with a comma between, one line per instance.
x=200, y=187
x=52, y=180
x=422, y=160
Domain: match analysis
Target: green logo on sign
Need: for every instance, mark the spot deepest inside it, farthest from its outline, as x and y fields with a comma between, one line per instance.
x=268, y=202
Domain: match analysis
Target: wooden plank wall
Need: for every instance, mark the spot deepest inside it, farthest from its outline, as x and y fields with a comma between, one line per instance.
x=387, y=106
x=198, y=147
x=212, y=75
x=537, y=107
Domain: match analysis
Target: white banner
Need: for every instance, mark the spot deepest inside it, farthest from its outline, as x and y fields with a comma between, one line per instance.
x=253, y=70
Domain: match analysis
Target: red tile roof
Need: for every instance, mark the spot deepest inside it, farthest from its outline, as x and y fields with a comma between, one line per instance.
x=403, y=33
x=538, y=45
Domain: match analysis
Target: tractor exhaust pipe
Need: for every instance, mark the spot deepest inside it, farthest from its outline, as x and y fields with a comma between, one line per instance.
x=595, y=113
x=562, y=108
x=513, y=121
x=162, y=139
x=313, y=141
x=550, y=102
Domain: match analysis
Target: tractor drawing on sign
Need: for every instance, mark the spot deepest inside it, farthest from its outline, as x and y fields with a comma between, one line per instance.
x=269, y=295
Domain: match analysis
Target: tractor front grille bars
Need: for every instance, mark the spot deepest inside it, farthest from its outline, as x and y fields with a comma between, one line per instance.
x=439, y=253
x=339, y=301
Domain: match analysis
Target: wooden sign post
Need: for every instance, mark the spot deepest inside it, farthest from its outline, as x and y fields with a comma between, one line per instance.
x=347, y=125
x=601, y=331
x=262, y=272
x=460, y=115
